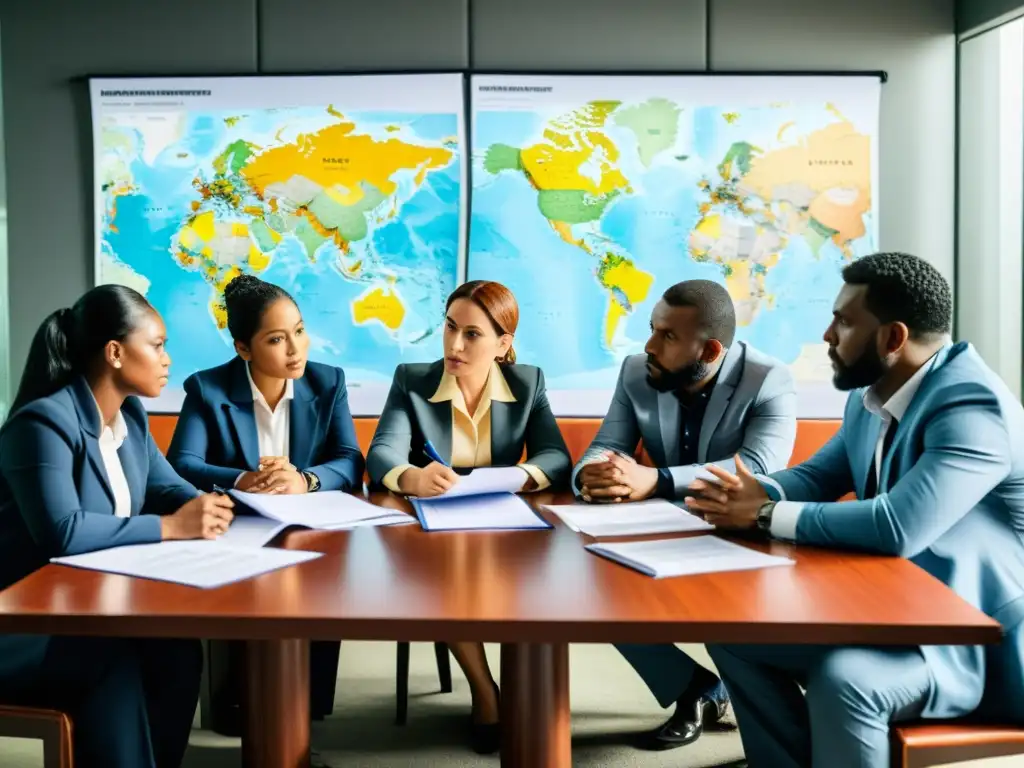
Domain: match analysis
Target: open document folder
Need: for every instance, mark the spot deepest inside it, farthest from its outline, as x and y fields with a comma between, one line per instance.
x=686, y=556
x=322, y=511
x=485, y=499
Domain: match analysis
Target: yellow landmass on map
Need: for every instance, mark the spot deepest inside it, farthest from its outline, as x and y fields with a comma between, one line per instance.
x=335, y=157
x=841, y=209
x=258, y=260
x=625, y=278
x=200, y=227
x=575, y=156
x=220, y=312
x=380, y=304
x=834, y=163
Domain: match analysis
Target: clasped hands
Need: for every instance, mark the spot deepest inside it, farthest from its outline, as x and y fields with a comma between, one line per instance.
x=614, y=477
x=726, y=500
x=275, y=475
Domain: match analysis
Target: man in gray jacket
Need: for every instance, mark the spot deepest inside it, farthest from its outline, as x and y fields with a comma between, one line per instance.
x=695, y=397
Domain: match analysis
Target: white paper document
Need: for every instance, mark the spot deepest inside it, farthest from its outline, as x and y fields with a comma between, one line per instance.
x=635, y=518
x=487, y=480
x=686, y=556
x=502, y=511
x=322, y=511
x=204, y=564
x=258, y=531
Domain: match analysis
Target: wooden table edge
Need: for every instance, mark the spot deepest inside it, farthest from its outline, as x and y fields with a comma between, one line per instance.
x=226, y=627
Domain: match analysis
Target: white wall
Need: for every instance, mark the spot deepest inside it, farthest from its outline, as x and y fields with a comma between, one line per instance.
x=991, y=205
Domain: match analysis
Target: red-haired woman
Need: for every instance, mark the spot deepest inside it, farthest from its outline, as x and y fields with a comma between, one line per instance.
x=475, y=408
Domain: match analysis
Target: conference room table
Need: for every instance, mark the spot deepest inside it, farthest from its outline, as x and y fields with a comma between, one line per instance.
x=532, y=591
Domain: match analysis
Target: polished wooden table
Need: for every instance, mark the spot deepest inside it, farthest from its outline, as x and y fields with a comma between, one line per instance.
x=532, y=591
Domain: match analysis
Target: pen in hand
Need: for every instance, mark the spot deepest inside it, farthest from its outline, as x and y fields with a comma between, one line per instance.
x=432, y=454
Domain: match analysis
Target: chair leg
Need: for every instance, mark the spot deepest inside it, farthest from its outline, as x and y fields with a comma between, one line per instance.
x=444, y=667
x=402, y=684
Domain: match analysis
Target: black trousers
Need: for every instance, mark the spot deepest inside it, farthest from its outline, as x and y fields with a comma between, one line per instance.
x=227, y=682
x=131, y=701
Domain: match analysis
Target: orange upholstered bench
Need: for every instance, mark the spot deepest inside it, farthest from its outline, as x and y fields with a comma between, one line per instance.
x=922, y=745
x=578, y=434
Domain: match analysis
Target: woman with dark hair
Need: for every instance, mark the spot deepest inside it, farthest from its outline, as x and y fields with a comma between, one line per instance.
x=475, y=408
x=79, y=471
x=268, y=421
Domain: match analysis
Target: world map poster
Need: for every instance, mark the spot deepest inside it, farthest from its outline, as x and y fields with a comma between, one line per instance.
x=593, y=194
x=345, y=190
x=587, y=195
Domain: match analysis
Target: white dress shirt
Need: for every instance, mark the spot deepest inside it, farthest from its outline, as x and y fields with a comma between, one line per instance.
x=786, y=514
x=272, y=425
x=112, y=437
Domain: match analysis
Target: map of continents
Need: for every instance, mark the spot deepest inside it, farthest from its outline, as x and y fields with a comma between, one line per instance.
x=589, y=214
x=357, y=216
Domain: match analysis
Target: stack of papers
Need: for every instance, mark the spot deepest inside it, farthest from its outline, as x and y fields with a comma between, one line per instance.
x=324, y=511
x=635, y=518
x=686, y=556
x=239, y=553
x=204, y=564
x=482, y=500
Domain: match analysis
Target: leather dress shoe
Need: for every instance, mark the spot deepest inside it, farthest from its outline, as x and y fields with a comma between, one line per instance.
x=486, y=738
x=693, y=715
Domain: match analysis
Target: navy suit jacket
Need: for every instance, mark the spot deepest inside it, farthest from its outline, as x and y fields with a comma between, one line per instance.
x=56, y=499
x=216, y=440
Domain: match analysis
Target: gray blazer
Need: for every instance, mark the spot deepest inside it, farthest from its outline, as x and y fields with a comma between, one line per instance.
x=752, y=412
x=409, y=419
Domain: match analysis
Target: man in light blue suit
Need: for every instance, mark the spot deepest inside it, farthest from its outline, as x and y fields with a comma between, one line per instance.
x=932, y=442
x=696, y=396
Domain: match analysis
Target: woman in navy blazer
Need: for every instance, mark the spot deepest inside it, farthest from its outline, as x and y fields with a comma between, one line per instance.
x=79, y=471
x=268, y=421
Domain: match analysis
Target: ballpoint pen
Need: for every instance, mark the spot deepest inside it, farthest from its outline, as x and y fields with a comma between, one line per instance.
x=432, y=453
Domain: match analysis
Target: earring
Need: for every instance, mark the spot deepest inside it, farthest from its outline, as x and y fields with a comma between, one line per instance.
x=117, y=363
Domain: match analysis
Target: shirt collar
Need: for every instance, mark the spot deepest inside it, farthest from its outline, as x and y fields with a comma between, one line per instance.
x=118, y=428
x=495, y=390
x=257, y=396
x=896, y=406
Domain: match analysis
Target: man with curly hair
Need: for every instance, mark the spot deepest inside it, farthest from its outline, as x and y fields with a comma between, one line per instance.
x=932, y=444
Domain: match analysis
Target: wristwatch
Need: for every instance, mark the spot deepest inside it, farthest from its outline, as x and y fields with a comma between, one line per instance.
x=764, y=516
x=312, y=481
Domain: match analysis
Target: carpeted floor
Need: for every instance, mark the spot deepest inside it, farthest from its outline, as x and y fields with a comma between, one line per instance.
x=609, y=705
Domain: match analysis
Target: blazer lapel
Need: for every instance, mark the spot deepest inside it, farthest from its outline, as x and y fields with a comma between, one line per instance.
x=437, y=424
x=874, y=432
x=242, y=416
x=135, y=474
x=89, y=418
x=668, y=422
x=721, y=396
x=499, y=434
x=304, y=421
x=438, y=428
x=909, y=417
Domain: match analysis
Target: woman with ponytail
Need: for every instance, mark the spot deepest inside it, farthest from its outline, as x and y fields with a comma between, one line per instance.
x=79, y=472
x=475, y=408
